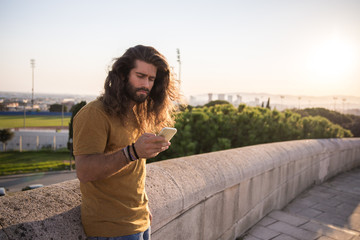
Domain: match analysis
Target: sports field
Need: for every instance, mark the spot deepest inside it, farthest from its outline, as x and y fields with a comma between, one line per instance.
x=33, y=121
x=34, y=161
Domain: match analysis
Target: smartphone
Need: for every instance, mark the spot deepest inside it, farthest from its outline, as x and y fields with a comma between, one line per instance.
x=168, y=133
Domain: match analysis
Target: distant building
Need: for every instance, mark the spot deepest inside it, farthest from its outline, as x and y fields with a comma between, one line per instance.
x=36, y=107
x=238, y=100
x=210, y=97
x=230, y=99
x=255, y=103
x=69, y=103
x=192, y=100
x=12, y=107
x=43, y=107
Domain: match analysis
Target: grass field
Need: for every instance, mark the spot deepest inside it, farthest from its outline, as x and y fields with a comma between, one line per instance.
x=32, y=121
x=34, y=161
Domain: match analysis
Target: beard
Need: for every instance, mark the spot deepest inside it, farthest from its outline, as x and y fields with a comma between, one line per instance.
x=132, y=93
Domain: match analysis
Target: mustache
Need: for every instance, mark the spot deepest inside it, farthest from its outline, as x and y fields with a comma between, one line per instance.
x=143, y=89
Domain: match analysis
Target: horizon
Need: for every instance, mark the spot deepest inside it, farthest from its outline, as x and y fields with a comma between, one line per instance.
x=342, y=104
x=199, y=94
x=307, y=48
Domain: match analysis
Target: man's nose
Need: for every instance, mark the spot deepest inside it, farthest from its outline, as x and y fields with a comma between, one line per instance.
x=146, y=83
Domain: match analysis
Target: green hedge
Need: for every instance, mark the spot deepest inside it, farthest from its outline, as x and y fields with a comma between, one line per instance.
x=220, y=127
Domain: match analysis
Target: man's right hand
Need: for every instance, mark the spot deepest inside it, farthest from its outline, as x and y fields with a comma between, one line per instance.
x=99, y=166
x=150, y=145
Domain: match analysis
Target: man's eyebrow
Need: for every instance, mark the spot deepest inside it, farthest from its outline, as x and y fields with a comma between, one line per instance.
x=143, y=74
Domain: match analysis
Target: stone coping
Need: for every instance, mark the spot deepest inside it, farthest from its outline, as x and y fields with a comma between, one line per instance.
x=177, y=186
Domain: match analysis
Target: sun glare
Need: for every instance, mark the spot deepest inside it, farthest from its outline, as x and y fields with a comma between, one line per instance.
x=334, y=58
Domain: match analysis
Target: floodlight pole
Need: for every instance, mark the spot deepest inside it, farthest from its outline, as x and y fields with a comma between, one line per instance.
x=24, y=115
x=179, y=61
x=62, y=114
x=25, y=101
x=32, y=62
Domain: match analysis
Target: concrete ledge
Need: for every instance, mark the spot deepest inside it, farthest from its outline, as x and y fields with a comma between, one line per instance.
x=51, y=212
x=209, y=196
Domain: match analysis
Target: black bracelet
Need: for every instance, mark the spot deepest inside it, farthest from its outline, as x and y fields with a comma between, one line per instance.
x=136, y=155
x=130, y=155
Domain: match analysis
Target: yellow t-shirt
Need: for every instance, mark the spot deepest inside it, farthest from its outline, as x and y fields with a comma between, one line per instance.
x=118, y=205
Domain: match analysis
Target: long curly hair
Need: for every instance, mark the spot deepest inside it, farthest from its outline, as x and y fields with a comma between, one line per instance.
x=155, y=112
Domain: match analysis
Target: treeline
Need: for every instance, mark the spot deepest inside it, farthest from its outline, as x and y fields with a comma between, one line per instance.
x=347, y=121
x=213, y=128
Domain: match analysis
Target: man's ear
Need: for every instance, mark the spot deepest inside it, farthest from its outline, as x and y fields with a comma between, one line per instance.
x=124, y=77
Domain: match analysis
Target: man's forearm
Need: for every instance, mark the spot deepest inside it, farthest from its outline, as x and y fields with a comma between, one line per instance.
x=99, y=166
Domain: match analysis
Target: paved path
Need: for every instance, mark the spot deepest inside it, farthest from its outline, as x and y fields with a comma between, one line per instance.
x=325, y=212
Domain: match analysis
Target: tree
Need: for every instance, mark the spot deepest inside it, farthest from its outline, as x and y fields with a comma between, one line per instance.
x=5, y=136
x=216, y=102
x=57, y=108
x=2, y=107
x=347, y=121
x=220, y=127
x=74, y=110
x=268, y=104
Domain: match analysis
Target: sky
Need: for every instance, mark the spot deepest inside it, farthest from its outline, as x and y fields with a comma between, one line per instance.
x=301, y=48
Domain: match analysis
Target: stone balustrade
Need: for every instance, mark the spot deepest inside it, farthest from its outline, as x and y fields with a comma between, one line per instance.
x=216, y=195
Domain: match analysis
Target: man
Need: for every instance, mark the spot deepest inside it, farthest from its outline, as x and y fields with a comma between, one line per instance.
x=113, y=137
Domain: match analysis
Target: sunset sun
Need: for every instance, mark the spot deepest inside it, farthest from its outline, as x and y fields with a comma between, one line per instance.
x=333, y=59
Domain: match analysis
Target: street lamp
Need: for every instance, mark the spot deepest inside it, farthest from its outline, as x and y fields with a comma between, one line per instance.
x=179, y=61
x=32, y=62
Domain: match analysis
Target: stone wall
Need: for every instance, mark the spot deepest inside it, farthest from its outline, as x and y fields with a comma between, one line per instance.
x=209, y=196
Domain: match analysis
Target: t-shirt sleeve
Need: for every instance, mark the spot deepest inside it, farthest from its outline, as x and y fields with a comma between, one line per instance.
x=90, y=128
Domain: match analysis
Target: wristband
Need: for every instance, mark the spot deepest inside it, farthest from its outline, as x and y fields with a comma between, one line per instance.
x=136, y=155
x=132, y=158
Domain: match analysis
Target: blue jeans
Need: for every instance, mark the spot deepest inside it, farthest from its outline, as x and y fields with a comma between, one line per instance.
x=137, y=236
